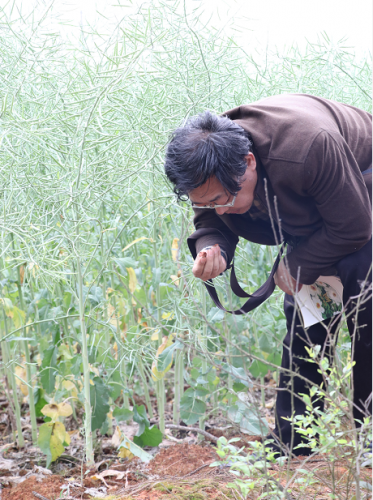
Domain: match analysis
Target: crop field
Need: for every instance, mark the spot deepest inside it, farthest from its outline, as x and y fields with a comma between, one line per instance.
x=109, y=345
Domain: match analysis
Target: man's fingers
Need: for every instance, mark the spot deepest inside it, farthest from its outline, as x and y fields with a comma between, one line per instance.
x=209, y=264
x=199, y=264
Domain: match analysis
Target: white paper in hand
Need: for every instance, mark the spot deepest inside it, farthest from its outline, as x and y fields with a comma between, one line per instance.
x=320, y=301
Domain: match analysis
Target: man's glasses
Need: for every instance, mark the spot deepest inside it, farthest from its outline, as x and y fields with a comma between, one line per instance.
x=212, y=206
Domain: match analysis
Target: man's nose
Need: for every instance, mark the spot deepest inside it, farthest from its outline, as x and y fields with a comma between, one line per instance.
x=221, y=210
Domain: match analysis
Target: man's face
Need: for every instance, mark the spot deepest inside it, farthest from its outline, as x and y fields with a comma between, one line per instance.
x=212, y=192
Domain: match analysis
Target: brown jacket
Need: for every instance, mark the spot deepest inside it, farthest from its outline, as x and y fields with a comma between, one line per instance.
x=310, y=153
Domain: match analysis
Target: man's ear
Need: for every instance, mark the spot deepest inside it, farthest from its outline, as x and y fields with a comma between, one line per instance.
x=251, y=161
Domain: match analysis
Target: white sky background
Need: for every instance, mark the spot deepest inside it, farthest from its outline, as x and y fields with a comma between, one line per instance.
x=257, y=24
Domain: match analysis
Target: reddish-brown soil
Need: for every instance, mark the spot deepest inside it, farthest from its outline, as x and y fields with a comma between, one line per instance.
x=179, y=460
x=149, y=495
x=50, y=488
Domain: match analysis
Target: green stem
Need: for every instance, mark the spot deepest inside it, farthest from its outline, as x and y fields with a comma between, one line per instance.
x=13, y=385
x=30, y=389
x=86, y=372
x=179, y=376
x=65, y=325
x=203, y=342
x=262, y=391
x=145, y=385
x=160, y=388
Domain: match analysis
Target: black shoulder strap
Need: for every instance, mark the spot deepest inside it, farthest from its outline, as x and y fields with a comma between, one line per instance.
x=257, y=298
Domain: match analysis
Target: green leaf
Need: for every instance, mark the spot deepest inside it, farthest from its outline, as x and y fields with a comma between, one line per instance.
x=75, y=365
x=197, y=362
x=39, y=405
x=165, y=358
x=18, y=316
x=140, y=417
x=104, y=427
x=92, y=354
x=215, y=315
x=48, y=365
x=249, y=419
x=125, y=262
x=211, y=376
x=237, y=387
x=191, y=409
x=99, y=402
x=44, y=438
x=201, y=392
x=136, y=450
x=264, y=344
x=258, y=369
x=151, y=436
x=115, y=385
x=95, y=295
x=122, y=414
x=238, y=374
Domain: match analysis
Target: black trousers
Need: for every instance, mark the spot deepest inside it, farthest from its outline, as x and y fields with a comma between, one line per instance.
x=353, y=270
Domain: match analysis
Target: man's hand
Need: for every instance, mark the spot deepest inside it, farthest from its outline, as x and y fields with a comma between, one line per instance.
x=209, y=264
x=284, y=280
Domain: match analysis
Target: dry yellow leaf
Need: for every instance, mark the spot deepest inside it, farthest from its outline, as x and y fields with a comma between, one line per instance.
x=154, y=335
x=168, y=316
x=175, y=248
x=50, y=411
x=54, y=410
x=68, y=385
x=124, y=453
x=56, y=447
x=157, y=375
x=20, y=375
x=59, y=431
x=94, y=370
x=117, y=437
x=166, y=342
x=20, y=372
x=71, y=387
x=133, y=279
x=65, y=410
x=175, y=280
x=152, y=296
x=24, y=389
x=7, y=303
x=109, y=473
x=22, y=274
x=134, y=241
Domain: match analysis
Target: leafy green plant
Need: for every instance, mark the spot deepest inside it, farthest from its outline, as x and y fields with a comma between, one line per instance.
x=53, y=437
x=94, y=269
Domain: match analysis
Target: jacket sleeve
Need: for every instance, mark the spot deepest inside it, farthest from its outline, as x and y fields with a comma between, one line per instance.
x=211, y=230
x=333, y=179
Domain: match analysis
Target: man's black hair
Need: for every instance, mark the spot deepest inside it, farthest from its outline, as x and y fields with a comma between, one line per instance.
x=207, y=145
